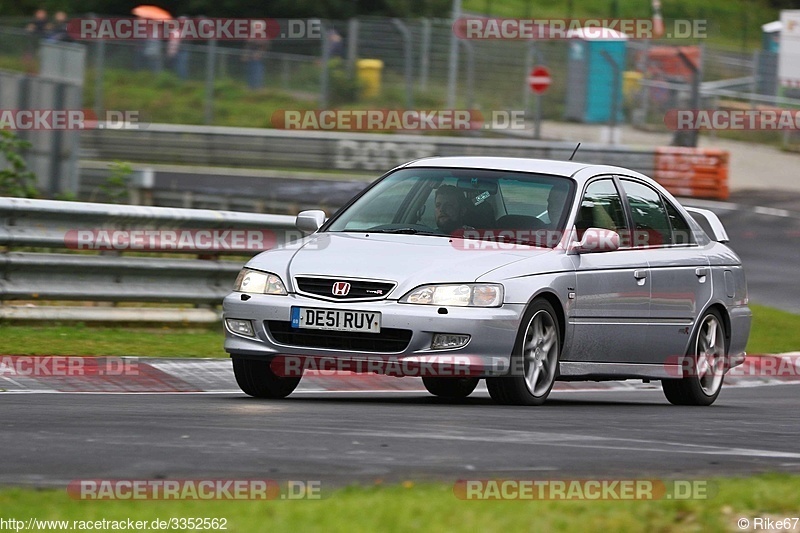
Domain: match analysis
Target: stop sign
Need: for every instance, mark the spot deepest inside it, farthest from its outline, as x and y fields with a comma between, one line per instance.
x=539, y=79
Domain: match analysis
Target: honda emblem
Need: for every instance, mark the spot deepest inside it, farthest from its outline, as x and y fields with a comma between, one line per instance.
x=341, y=288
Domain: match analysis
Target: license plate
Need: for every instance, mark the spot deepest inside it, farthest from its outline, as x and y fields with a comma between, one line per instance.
x=336, y=319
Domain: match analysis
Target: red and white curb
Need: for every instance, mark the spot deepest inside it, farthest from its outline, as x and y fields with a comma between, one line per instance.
x=159, y=375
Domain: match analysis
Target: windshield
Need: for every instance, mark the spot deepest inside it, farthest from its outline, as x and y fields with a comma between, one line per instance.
x=465, y=203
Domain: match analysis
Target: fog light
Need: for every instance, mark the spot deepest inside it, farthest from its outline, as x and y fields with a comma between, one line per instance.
x=242, y=327
x=443, y=341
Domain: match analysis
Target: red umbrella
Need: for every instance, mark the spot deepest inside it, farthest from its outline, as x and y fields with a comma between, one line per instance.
x=152, y=13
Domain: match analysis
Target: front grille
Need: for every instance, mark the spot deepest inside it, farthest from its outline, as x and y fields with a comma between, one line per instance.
x=359, y=289
x=387, y=341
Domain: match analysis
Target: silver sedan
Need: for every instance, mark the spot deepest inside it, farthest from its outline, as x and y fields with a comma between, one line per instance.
x=518, y=271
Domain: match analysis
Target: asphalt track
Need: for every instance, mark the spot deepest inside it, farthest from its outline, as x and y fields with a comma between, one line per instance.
x=341, y=438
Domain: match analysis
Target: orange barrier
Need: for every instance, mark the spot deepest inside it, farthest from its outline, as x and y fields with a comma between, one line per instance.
x=695, y=172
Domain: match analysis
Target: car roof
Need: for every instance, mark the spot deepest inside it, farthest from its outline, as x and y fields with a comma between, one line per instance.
x=519, y=164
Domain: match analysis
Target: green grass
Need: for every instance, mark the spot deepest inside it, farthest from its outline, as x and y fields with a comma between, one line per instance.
x=165, y=98
x=434, y=507
x=773, y=331
x=116, y=341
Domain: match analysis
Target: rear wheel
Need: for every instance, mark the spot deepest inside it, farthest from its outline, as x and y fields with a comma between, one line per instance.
x=450, y=387
x=256, y=378
x=534, y=363
x=705, y=368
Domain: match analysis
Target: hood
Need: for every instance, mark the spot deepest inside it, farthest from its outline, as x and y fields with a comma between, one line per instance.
x=408, y=260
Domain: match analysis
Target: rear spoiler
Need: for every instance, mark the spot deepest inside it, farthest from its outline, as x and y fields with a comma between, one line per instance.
x=718, y=232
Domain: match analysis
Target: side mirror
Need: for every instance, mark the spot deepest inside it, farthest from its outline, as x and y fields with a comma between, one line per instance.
x=597, y=240
x=310, y=221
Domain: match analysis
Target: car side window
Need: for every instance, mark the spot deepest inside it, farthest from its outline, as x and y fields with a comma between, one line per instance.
x=601, y=207
x=650, y=219
x=681, y=232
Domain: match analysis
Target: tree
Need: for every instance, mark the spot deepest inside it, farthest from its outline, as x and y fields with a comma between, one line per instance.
x=15, y=178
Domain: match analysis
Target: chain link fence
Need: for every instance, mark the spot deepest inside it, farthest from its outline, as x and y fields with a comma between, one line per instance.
x=321, y=71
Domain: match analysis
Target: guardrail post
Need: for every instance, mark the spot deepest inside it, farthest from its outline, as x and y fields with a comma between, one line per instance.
x=470, y=73
x=424, y=54
x=352, y=45
x=408, y=59
x=210, y=63
x=323, y=76
x=55, y=184
x=689, y=138
x=452, y=70
x=284, y=72
x=616, y=80
x=99, y=67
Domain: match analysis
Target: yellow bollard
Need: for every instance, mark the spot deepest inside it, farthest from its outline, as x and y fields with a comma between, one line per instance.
x=369, y=74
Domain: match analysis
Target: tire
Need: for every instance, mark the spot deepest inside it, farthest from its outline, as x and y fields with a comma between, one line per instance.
x=450, y=387
x=256, y=378
x=705, y=367
x=534, y=362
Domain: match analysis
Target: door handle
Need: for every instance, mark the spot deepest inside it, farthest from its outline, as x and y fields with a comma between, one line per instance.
x=639, y=274
x=700, y=272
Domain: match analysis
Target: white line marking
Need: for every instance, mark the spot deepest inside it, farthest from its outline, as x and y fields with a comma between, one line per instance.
x=772, y=211
x=730, y=206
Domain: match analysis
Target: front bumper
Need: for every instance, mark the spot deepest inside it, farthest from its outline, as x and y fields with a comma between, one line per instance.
x=492, y=334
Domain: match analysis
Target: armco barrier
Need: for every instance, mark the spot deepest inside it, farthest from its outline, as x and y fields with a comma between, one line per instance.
x=35, y=263
x=219, y=146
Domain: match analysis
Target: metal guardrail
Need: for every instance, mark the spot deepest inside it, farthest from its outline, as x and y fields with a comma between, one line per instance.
x=39, y=259
x=321, y=150
x=358, y=152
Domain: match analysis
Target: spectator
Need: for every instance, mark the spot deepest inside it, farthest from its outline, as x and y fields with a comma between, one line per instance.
x=37, y=29
x=177, y=55
x=152, y=53
x=58, y=30
x=255, y=50
x=40, y=26
x=335, y=44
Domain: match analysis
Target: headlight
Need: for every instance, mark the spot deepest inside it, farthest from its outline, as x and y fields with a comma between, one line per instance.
x=461, y=295
x=256, y=282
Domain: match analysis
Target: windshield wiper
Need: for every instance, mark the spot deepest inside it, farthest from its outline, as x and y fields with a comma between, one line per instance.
x=403, y=231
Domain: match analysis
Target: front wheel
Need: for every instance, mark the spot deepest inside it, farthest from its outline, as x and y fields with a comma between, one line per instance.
x=534, y=363
x=450, y=387
x=256, y=378
x=705, y=368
